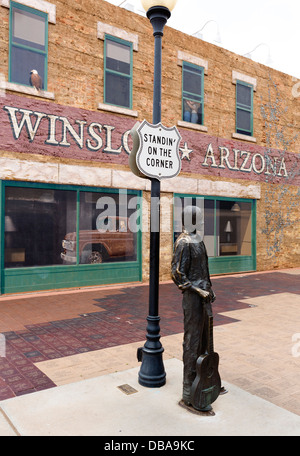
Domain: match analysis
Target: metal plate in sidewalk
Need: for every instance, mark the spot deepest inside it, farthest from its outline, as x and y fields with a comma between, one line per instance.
x=127, y=389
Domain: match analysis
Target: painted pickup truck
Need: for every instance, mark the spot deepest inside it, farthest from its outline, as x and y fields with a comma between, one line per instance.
x=111, y=240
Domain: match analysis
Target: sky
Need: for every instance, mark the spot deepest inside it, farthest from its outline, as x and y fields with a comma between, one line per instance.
x=269, y=28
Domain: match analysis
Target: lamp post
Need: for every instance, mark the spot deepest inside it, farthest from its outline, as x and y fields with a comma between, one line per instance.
x=152, y=373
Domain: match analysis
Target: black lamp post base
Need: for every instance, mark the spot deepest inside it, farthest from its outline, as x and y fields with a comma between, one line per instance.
x=152, y=373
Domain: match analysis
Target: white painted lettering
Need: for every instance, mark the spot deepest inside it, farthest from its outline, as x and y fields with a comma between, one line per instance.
x=243, y=167
x=25, y=120
x=282, y=168
x=109, y=129
x=125, y=142
x=210, y=155
x=272, y=165
x=236, y=153
x=262, y=167
x=95, y=136
x=224, y=154
x=67, y=127
x=52, y=130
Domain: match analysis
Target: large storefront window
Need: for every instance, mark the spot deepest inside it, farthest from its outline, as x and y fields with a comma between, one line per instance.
x=233, y=228
x=36, y=221
x=104, y=231
x=61, y=236
x=228, y=231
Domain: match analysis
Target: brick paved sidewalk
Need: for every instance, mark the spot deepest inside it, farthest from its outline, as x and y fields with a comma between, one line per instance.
x=84, y=323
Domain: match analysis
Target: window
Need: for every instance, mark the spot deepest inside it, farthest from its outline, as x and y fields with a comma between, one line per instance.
x=28, y=44
x=36, y=222
x=118, y=72
x=61, y=236
x=229, y=231
x=105, y=233
x=227, y=224
x=49, y=227
x=192, y=93
x=244, y=108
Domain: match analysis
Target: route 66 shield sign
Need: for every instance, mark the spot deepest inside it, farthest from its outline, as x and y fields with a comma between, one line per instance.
x=158, y=153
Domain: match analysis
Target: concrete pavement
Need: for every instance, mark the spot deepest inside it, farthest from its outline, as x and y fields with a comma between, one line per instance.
x=97, y=407
x=259, y=364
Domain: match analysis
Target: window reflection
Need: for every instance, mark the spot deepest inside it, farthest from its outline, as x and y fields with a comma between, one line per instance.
x=227, y=225
x=41, y=227
x=36, y=221
x=234, y=228
x=105, y=233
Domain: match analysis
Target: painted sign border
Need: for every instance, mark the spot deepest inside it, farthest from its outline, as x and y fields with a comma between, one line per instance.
x=138, y=154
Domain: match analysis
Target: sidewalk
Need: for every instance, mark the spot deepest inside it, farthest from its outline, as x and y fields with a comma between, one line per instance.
x=68, y=352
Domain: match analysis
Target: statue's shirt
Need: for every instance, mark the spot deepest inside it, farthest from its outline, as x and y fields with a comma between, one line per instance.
x=190, y=263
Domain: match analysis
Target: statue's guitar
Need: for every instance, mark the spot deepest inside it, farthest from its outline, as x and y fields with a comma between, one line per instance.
x=207, y=384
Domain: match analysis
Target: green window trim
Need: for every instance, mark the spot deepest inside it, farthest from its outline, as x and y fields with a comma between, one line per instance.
x=108, y=71
x=227, y=263
x=247, y=108
x=57, y=276
x=42, y=50
x=193, y=96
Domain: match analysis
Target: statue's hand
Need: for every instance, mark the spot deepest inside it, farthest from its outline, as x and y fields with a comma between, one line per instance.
x=203, y=293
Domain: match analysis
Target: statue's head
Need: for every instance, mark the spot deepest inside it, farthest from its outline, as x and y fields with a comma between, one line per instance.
x=192, y=219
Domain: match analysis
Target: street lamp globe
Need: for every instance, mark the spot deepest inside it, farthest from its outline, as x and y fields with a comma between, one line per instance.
x=151, y=3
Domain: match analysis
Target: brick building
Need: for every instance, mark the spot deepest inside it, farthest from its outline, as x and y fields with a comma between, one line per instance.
x=64, y=149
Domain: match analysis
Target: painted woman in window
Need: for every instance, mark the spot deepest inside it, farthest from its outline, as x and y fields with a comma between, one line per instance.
x=192, y=93
x=192, y=112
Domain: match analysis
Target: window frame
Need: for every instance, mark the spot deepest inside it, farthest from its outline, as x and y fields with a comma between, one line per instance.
x=246, y=108
x=220, y=264
x=129, y=44
x=185, y=66
x=44, y=15
x=33, y=278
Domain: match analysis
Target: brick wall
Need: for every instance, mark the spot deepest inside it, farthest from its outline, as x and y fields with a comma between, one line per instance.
x=75, y=76
x=75, y=70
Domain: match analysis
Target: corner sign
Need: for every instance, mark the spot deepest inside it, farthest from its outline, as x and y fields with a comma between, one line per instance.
x=157, y=155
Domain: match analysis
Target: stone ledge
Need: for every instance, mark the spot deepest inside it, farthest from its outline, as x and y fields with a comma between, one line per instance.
x=236, y=76
x=40, y=5
x=103, y=28
x=185, y=57
x=193, y=126
x=27, y=90
x=244, y=137
x=117, y=110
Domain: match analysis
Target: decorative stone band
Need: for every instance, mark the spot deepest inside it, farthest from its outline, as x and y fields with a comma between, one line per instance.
x=60, y=173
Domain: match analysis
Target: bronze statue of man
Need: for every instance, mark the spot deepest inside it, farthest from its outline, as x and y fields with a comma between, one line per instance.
x=191, y=274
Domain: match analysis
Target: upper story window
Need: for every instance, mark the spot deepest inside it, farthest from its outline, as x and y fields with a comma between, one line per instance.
x=244, y=108
x=192, y=93
x=28, y=45
x=118, y=72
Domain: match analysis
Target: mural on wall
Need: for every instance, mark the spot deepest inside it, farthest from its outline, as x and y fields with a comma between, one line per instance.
x=38, y=127
x=281, y=205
